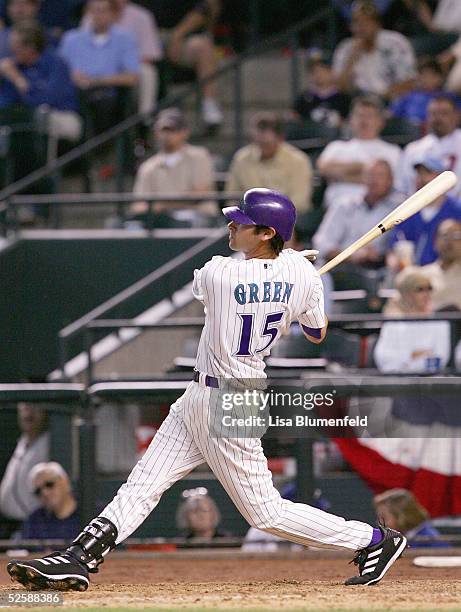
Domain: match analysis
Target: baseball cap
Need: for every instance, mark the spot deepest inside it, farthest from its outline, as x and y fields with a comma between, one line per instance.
x=171, y=119
x=431, y=163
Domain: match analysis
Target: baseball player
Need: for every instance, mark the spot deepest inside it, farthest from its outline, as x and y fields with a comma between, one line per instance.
x=249, y=303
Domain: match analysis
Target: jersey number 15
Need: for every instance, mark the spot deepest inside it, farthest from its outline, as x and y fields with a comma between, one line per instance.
x=246, y=333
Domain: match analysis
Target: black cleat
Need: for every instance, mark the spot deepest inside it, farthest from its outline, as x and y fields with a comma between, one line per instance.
x=374, y=561
x=59, y=571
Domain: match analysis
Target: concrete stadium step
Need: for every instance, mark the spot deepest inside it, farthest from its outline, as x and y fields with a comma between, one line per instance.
x=140, y=356
x=266, y=80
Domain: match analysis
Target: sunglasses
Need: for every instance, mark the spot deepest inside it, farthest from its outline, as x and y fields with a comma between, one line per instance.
x=451, y=236
x=423, y=288
x=49, y=484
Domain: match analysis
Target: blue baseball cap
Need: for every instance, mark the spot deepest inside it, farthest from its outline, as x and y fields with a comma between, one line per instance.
x=431, y=163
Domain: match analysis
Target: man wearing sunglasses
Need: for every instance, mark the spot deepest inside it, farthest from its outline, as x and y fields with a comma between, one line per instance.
x=57, y=517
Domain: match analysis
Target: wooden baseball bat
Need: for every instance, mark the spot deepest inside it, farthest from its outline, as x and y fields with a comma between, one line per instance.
x=424, y=196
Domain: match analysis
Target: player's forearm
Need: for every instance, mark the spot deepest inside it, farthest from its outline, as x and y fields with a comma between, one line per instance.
x=316, y=335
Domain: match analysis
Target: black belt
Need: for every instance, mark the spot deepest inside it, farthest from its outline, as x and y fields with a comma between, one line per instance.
x=210, y=381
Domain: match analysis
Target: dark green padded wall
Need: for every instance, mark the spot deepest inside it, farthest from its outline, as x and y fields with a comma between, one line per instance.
x=47, y=284
x=348, y=495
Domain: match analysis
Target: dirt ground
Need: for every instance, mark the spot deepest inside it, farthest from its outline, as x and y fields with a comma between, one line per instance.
x=308, y=581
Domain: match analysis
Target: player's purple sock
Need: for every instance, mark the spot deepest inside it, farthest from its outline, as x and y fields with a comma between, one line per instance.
x=377, y=537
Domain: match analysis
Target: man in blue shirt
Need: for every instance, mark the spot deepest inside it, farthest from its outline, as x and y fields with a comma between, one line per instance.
x=105, y=65
x=413, y=105
x=57, y=517
x=103, y=56
x=33, y=79
x=421, y=229
x=35, y=74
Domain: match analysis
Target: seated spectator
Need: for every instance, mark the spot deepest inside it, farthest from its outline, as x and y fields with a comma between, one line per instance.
x=418, y=347
x=413, y=105
x=19, y=12
x=198, y=515
x=101, y=58
x=57, y=517
x=446, y=17
x=342, y=162
x=272, y=163
x=321, y=101
x=399, y=509
x=346, y=222
x=16, y=500
x=420, y=229
x=445, y=273
x=443, y=142
x=409, y=17
x=54, y=15
x=186, y=29
x=177, y=168
x=35, y=76
x=374, y=60
x=141, y=24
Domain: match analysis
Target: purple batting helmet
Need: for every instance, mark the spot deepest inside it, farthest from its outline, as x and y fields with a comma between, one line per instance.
x=265, y=207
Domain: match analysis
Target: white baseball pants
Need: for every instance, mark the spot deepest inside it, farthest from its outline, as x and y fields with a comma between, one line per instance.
x=183, y=442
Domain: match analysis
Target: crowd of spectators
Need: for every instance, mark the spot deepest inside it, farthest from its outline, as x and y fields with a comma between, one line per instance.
x=84, y=63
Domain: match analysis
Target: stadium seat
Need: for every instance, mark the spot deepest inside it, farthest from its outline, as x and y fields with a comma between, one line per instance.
x=300, y=130
x=310, y=136
x=369, y=349
x=295, y=345
x=24, y=147
x=342, y=347
x=295, y=351
x=186, y=361
x=349, y=276
x=353, y=305
x=400, y=131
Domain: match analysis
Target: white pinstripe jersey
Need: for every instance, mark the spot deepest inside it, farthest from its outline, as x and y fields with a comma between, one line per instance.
x=249, y=304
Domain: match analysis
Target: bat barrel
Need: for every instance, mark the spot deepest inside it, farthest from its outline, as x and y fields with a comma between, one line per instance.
x=424, y=196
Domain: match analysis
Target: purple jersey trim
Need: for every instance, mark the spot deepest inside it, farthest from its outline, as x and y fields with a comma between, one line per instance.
x=313, y=331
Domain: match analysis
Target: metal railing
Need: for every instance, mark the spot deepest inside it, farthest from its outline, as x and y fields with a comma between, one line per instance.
x=162, y=274
x=120, y=201
x=357, y=322
x=83, y=402
x=289, y=37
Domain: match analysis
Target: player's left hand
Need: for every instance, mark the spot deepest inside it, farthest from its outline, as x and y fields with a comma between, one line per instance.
x=310, y=254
